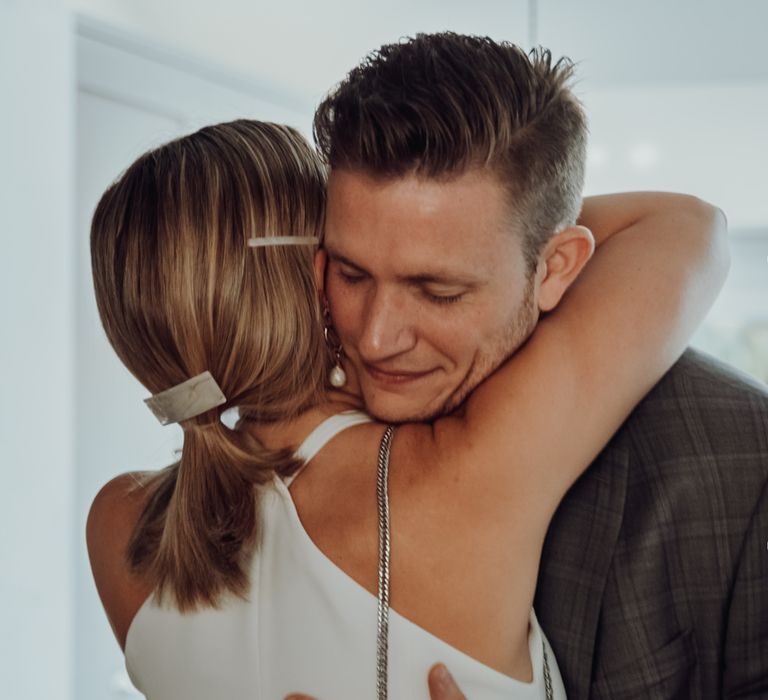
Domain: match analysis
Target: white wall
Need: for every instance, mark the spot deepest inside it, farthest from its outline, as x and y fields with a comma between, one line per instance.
x=37, y=350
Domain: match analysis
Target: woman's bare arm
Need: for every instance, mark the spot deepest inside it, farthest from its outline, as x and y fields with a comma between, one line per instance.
x=111, y=520
x=548, y=411
x=608, y=214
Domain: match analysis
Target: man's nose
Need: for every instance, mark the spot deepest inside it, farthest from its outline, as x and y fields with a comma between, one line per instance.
x=388, y=329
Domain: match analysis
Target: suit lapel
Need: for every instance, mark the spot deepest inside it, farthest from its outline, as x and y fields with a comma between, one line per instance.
x=575, y=562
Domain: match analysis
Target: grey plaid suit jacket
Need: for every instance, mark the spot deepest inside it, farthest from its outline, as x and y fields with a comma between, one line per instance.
x=654, y=577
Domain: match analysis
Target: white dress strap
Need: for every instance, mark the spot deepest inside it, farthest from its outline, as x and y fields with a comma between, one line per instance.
x=323, y=434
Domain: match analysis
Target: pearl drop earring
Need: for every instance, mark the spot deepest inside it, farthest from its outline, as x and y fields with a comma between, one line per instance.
x=337, y=376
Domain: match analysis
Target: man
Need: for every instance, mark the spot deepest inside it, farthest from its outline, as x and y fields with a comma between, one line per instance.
x=654, y=577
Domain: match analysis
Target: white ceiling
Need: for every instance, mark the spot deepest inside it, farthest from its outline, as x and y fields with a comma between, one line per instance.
x=302, y=47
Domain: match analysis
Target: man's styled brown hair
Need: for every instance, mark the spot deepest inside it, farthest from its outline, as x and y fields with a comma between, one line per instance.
x=440, y=104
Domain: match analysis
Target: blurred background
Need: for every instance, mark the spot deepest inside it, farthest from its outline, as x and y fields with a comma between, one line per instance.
x=677, y=95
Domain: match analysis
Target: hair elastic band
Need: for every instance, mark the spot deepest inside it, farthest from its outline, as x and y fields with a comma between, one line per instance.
x=282, y=240
x=186, y=400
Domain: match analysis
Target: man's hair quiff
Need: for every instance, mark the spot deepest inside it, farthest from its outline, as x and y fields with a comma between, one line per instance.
x=439, y=104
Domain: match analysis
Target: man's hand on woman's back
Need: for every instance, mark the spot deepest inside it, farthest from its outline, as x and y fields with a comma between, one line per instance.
x=441, y=686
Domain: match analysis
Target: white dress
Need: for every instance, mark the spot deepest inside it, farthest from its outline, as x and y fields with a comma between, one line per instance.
x=306, y=627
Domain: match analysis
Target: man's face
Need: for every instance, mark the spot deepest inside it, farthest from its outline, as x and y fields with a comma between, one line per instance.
x=427, y=286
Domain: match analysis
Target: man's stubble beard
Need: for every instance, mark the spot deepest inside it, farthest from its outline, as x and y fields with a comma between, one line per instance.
x=515, y=336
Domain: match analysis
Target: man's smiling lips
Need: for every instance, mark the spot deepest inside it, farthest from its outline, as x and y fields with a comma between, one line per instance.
x=393, y=377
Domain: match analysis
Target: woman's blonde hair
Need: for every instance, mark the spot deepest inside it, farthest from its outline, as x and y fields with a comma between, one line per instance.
x=179, y=292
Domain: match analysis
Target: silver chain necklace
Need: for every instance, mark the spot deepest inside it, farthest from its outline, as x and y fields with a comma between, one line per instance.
x=382, y=496
x=382, y=636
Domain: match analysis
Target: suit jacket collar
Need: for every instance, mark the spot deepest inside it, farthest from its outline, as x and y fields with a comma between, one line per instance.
x=575, y=562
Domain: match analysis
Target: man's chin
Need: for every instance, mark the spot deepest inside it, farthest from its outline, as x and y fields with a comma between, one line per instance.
x=386, y=411
x=407, y=412
x=396, y=417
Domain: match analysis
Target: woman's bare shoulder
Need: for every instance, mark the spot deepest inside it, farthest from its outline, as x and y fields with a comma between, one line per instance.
x=111, y=521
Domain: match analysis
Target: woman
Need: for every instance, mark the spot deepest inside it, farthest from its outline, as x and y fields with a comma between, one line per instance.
x=221, y=575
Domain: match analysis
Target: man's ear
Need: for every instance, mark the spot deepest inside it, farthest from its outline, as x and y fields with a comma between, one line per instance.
x=560, y=263
x=320, y=262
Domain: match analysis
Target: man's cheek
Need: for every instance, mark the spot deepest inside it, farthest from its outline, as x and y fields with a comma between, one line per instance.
x=345, y=321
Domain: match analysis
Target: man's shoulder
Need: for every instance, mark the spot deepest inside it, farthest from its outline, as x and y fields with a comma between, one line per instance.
x=702, y=376
x=700, y=384
x=700, y=406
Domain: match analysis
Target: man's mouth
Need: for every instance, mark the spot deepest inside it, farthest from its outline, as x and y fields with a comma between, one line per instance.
x=393, y=377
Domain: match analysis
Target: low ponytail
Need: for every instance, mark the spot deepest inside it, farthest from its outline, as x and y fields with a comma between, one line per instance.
x=196, y=535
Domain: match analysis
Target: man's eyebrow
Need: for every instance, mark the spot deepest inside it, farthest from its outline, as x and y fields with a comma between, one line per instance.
x=335, y=255
x=447, y=278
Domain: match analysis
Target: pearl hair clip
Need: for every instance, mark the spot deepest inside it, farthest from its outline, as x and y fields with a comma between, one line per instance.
x=265, y=241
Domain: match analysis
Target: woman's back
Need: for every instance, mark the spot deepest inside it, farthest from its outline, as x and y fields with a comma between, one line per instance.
x=309, y=621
